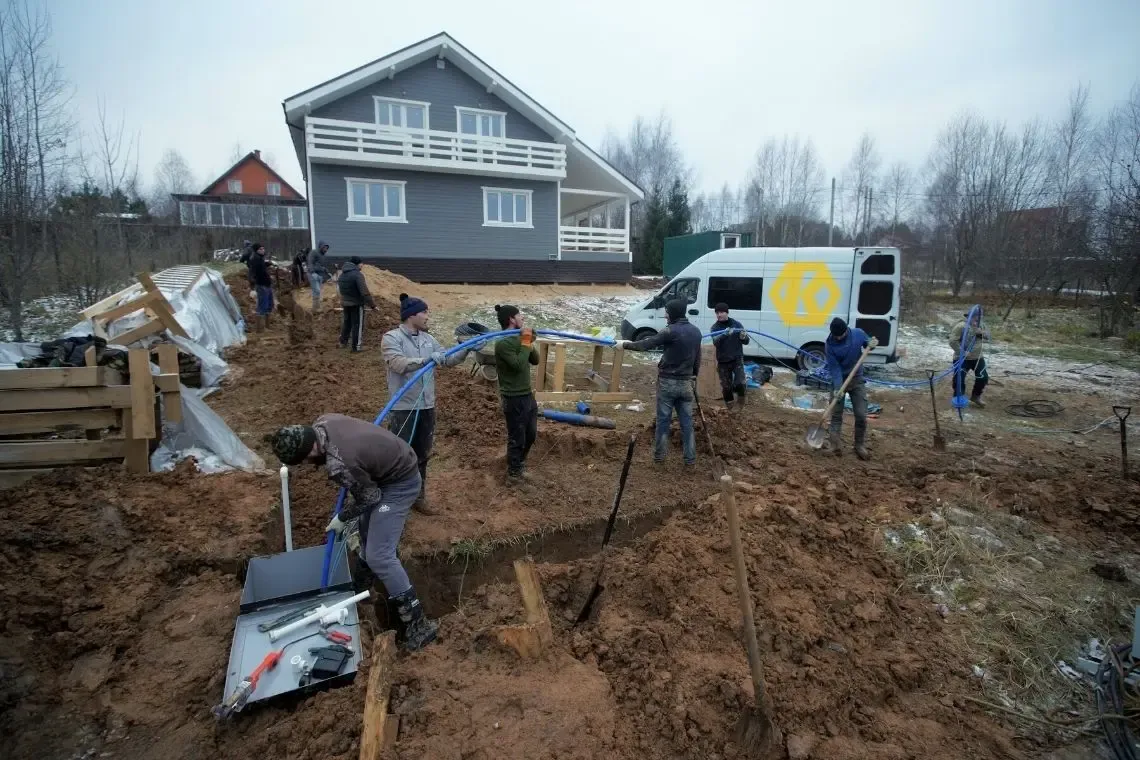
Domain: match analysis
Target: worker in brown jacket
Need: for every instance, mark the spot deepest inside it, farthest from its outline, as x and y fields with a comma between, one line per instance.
x=382, y=475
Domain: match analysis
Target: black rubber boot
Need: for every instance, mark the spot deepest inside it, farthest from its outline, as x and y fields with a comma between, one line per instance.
x=419, y=630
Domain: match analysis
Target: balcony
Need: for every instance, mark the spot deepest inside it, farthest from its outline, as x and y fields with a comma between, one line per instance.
x=364, y=144
x=592, y=239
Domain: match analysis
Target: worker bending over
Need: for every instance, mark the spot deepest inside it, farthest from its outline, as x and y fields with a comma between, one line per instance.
x=842, y=350
x=971, y=330
x=676, y=377
x=514, y=356
x=730, y=339
x=405, y=350
x=380, y=473
x=354, y=296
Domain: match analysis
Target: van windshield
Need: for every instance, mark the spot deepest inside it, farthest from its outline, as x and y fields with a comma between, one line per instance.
x=685, y=289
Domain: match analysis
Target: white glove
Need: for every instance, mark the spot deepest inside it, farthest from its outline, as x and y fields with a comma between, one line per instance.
x=622, y=343
x=437, y=357
x=336, y=525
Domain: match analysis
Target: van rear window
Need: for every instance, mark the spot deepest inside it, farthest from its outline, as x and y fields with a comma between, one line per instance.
x=739, y=293
x=878, y=263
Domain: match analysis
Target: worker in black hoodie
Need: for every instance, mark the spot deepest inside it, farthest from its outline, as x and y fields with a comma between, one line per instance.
x=730, y=338
x=354, y=296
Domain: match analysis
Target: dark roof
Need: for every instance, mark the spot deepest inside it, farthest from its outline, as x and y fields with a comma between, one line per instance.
x=253, y=155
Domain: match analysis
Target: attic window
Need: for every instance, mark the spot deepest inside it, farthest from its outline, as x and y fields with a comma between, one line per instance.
x=234, y=185
x=273, y=188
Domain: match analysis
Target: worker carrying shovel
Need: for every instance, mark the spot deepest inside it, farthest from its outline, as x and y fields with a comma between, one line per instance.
x=842, y=350
x=381, y=473
x=406, y=350
x=969, y=333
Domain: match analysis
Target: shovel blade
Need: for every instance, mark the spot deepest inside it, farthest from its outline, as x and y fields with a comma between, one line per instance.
x=939, y=443
x=816, y=435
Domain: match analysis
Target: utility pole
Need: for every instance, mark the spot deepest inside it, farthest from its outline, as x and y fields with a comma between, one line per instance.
x=867, y=221
x=831, y=216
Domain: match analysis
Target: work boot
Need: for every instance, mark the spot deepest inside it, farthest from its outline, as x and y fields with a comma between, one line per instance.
x=740, y=403
x=836, y=444
x=976, y=399
x=384, y=609
x=419, y=630
x=862, y=453
x=423, y=506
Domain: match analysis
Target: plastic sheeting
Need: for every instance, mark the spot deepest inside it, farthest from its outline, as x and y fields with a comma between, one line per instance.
x=10, y=353
x=202, y=429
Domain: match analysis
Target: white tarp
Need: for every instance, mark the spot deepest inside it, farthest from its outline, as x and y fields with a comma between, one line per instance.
x=202, y=433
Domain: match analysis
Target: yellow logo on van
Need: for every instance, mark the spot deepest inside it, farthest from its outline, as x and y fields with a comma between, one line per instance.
x=805, y=294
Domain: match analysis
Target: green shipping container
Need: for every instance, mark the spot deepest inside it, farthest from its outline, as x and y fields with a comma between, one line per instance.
x=682, y=250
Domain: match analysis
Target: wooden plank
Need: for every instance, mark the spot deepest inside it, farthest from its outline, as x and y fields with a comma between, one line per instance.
x=140, y=332
x=622, y=397
x=90, y=357
x=543, y=358
x=597, y=364
x=708, y=383
x=142, y=394
x=22, y=423
x=168, y=382
x=50, y=377
x=109, y=301
x=615, y=373
x=58, y=452
x=531, y=587
x=13, y=478
x=165, y=314
x=373, y=733
x=559, y=382
x=129, y=307
x=117, y=396
x=137, y=454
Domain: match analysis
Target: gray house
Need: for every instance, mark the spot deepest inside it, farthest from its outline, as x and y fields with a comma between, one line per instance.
x=430, y=163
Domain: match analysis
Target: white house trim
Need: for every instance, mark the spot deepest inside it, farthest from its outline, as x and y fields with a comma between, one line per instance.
x=401, y=219
x=599, y=193
x=633, y=189
x=528, y=224
x=559, y=217
x=378, y=99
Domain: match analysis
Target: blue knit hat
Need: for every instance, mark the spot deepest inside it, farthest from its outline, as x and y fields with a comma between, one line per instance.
x=410, y=307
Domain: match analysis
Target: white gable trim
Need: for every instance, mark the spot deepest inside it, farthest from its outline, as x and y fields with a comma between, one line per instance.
x=634, y=191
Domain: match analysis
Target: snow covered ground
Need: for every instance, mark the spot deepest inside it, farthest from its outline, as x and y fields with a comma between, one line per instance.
x=44, y=319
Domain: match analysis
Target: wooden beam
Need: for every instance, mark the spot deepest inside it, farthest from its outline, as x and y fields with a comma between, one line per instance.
x=543, y=357
x=109, y=301
x=530, y=640
x=374, y=733
x=140, y=332
x=609, y=397
x=559, y=382
x=137, y=454
x=13, y=478
x=168, y=382
x=22, y=423
x=50, y=377
x=58, y=452
x=165, y=315
x=129, y=307
x=708, y=382
x=142, y=394
x=597, y=363
x=117, y=396
x=90, y=356
x=615, y=372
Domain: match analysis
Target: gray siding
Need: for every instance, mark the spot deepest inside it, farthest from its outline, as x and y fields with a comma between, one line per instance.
x=501, y=270
x=445, y=217
x=596, y=256
x=443, y=88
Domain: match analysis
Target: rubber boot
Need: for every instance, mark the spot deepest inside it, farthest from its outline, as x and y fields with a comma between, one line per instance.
x=836, y=443
x=740, y=399
x=862, y=453
x=976, y=400
x=419, y=630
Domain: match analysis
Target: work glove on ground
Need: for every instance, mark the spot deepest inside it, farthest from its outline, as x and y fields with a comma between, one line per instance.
x=336, y=525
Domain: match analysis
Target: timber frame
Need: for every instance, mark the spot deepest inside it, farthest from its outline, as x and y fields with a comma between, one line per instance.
x=602, y=389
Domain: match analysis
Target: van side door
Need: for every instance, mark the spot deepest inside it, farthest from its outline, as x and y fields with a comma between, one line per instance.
x=875, y=280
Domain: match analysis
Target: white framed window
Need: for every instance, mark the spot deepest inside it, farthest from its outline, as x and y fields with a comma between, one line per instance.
x=403, y=114
x=234, y=185
x=273, y=188
x=506, y=207
x=371, y=200
x=477, y=121
x=298, y=217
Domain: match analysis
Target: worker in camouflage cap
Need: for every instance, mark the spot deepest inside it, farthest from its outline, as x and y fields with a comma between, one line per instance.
x=293, y=443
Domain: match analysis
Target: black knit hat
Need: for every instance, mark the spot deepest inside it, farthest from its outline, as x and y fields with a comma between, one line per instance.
x=293, y=443
x=356, y=260
x=722, y=306
x=505, y=313
x=838, y=327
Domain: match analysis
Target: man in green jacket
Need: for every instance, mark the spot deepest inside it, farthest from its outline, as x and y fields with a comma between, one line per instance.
x=513, y=357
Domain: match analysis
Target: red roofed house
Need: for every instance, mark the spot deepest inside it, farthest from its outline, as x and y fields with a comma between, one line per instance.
x=249, y=194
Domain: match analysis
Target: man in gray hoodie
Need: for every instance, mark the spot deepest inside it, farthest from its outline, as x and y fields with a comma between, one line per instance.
x=318, y=272
x=406, y=350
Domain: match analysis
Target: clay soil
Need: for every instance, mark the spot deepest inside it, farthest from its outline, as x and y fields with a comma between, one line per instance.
x=120, y=592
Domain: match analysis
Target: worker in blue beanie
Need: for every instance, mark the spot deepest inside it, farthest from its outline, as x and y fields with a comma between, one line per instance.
x=405, y=350
x=842, y=349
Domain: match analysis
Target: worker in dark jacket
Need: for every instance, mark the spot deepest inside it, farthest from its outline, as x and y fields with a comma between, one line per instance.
x=299, y=267
x=513, y=358
x=318, y=272
x=730, y=339
x=263, y=284
x=842, y=350
x=354, y=296
x=676, y=377
x=380, y=472
x=246, y=253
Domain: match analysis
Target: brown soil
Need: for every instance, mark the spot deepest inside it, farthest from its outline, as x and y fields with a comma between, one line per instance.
x=120, y=591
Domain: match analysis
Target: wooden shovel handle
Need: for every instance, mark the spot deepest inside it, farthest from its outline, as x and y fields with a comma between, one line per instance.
x=744, y=595
x=843, y=388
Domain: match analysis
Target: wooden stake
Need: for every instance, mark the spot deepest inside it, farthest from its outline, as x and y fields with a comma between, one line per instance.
x=559, y=367
x=142, y=394
x=374, y=735
x=543, y=356
x=597, y=364
x=532, y=638
x=168, y=363
x=615, y=373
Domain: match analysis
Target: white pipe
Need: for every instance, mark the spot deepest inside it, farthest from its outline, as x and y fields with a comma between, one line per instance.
x=316, y=616
x=285, y=516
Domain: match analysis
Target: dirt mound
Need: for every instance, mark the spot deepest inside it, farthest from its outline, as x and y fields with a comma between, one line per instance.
x=385, y=286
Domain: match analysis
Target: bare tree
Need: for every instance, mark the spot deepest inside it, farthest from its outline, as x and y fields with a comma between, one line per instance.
x=172, y=175
x=858, y=178
x=784, y=189
x=236, y=153
x=898, y=192
x=33, y=138
x=115, y=170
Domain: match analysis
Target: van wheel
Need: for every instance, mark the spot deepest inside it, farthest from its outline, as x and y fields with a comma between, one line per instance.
x=811, y=356
x=643, y=333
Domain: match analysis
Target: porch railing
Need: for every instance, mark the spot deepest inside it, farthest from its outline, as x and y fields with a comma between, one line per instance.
x=592, y=239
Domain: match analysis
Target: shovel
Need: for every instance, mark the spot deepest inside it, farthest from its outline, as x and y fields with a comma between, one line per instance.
x=757, y=734
x=939, y=441
x=817, y=434
x=1122, y=413
x=597, y=589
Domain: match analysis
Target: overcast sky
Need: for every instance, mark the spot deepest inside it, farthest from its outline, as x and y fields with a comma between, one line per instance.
x=202, y=75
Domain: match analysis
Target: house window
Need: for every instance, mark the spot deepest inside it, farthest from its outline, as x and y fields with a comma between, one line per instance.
x=234, y=185
x=474, y=121
x=375, y=201
x=273, y=188
x=216, y=215
x=405, y=114
x=297, y=218
x=503, y=207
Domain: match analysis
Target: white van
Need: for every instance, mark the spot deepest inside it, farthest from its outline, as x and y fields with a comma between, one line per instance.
x=789, y=293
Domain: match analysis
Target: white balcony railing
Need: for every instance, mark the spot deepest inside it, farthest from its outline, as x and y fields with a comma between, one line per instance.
x=371, y=144
x=592, y=239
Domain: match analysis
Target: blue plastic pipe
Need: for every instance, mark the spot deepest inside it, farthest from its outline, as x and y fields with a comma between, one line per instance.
x=585, y=420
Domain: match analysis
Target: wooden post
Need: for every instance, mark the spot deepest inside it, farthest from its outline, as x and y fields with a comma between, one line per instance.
x=375, y=734
x=138, y=421
x=559, y=367
x=543, y=356
x=615, y=373
x=597, y=365
x=168, y=363
x=532, y=638
x=708, y=384
x=89, y=359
